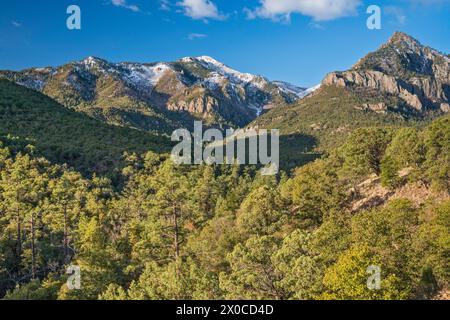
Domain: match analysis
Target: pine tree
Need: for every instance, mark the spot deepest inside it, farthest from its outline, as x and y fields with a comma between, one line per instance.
x=364, y=151
x=348, y=278
x=68, y=198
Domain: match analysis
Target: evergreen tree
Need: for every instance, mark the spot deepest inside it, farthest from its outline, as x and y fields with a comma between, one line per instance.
x=253, y=275
x=348, y=279
x=364, y=151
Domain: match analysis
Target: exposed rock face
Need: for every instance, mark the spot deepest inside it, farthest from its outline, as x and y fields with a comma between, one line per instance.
x=202, y=104
x=419, y=75
x=160, y=92
x=376, y=80
x=445, y=107
x=377, y=107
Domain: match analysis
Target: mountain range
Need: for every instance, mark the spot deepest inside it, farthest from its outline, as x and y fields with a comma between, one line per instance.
x=403, y=83
x=161, y=96
x=87, y=183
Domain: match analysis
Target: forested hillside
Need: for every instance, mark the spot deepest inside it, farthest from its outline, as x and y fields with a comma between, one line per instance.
x=403, y=83
x=207, y=232
x=318, y=124
x=67, y=137
x=364, y=185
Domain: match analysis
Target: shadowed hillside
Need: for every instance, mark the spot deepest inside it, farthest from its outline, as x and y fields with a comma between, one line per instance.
x=65, y=136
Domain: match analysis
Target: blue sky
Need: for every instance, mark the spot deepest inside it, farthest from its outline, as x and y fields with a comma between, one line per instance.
x=292, y=40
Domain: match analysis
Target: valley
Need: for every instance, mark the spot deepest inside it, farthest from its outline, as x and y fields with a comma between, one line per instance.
x=87, y=182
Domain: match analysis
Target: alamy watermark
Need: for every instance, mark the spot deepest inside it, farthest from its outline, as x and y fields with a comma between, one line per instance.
x=243, y=146
x=73, y=22
x=374, y=280
x=374, y=20
x=74, y=279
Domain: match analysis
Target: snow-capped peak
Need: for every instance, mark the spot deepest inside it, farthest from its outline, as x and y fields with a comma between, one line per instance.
x=145, y=75
x=223, y=70
x=209, y=59
x=220, y=72
x=92, y=61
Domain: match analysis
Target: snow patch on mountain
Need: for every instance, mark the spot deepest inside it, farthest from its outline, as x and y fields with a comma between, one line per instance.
x=309, y=91
x=137, y=74
x=290, y=88
x=214, y=81
x=35, y=84
x=248, y=94
x=220, y=71
x=144, y=75
x=90, y=62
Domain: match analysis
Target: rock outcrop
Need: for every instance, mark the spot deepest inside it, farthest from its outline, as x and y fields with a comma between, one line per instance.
x=169, y=93
x=418, y=75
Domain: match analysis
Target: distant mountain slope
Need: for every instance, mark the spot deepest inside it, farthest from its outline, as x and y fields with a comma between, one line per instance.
x=402, y=84
x=65, y=136
x=322, y=122
x=159, y=96
x=418, y=75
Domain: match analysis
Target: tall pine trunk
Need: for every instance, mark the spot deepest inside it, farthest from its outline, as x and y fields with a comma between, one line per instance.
x=66, y=237
x=176, y=237
x=19, y=235
x=176, y=240
x=33, y=248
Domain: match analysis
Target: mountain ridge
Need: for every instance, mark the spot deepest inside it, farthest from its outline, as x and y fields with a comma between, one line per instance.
x=167, y=95
x=418, y=74
x=367, y=95
x=402, y=77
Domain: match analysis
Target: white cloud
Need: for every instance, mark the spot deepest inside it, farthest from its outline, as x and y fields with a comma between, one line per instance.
x=195, y=36
x=16, y=24
x=164, y=5
x=201, y=9
x=124, y=4
x=320, y=10
x=396, y=12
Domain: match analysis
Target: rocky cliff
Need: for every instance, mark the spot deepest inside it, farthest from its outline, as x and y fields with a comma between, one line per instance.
x=418, y=75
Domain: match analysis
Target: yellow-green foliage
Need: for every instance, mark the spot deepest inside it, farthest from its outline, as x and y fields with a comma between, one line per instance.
x=65, y=136
x=218, y=232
